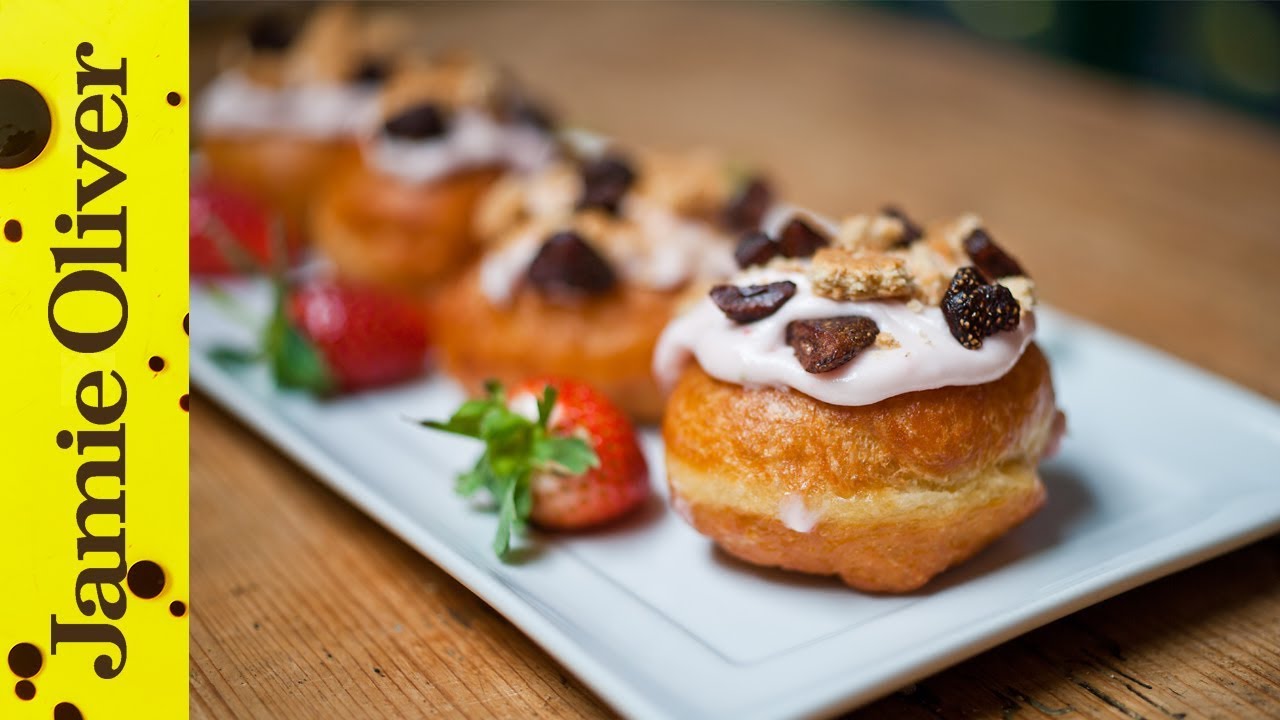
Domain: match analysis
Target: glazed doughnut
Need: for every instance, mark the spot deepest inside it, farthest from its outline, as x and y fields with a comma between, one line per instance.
x=606, y=341
x=399, y=213
x=575, y=289
x=286, y=108
x=886, y=495
x=909, y=455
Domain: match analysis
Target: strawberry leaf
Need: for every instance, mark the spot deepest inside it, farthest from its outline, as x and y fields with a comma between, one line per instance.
x=507, y=521
x=546, y=404
x=567, y=454
x=515, y=447
x=231, y=358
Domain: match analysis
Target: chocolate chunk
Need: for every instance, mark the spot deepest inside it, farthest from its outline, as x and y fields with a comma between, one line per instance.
x=604, y=182
x=748, y=207
x=272, y=32
x=420, y=122
x=755, y=248
x=750, y=303
x=372, y=71
x=826, y=344
x=798, y=239
x=911, y=232
x=975, y=310
x=991, y=260
x=568, y=268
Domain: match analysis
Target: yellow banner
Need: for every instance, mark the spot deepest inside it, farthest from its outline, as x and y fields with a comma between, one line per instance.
x=94, y=567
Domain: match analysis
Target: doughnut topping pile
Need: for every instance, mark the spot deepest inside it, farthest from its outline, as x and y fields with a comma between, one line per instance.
x=453, y=114
x=658, y=221
x=855, y=312
x=317, y=79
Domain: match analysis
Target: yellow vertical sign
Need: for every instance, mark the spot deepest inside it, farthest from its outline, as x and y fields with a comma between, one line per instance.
x=94, y=570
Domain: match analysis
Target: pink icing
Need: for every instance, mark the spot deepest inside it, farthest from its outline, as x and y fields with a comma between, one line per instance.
x=757, y=354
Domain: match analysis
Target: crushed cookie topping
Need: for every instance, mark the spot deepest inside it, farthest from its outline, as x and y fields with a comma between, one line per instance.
x=827, y=344
x=867, y=232
x=844, y=275
x=749, y=303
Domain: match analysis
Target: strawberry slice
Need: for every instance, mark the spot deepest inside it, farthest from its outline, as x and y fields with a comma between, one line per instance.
x=557, y=453
x=230, y=233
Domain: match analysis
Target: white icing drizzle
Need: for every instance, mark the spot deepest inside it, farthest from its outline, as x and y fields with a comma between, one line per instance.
x=234, y=104
x=473, y=139
x=757, y=354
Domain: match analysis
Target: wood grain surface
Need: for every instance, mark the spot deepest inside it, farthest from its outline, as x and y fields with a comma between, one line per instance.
x=1153, y=215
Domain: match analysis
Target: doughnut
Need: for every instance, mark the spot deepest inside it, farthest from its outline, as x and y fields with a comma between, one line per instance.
x=289, y=101
x=584, y=264
x=400, y=212
x=830, y=424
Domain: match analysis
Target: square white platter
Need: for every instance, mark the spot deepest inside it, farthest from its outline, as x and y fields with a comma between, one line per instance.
x=1164, y=466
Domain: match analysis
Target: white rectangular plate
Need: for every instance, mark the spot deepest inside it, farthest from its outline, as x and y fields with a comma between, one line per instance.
x=1164, y=466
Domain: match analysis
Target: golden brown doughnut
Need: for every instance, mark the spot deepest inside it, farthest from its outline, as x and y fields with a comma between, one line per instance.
x=606, y=341
x=897, y=491
x=282, y=170
x=381, y=229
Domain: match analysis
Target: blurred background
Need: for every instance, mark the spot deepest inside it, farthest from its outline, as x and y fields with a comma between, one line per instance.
x=1226, y=51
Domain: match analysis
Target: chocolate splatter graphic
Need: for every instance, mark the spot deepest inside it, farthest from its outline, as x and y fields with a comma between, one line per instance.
x=177, y=608
x=25, y=689
x=145, y=579
x=66, y=711
x=156, y=363
x=184, y=402
x=173, y=98
x=186, y=323
x=25, y=660
x=13, y=231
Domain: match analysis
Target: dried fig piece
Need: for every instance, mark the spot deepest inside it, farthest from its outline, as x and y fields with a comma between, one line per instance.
x=568, y=268
x=748, y=207
x=755, y=248
x=911, y=232
x=990, y=259
x=749, y=303
x=604, y=183
x=420, y=122
x=975, y=311
x=798, y=239
x=829, y=343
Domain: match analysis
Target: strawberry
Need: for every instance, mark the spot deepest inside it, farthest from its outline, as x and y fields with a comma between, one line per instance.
x=366, y=337
x=329, y=337
x=230, y=233
x=557, y=453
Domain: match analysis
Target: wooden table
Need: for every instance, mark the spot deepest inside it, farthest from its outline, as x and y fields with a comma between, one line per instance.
x=1154, y=215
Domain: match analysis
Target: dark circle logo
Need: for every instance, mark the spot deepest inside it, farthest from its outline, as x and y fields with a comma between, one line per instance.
x=25, y=660
x=145, y=579
x=25, y=123
x=66, y=711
